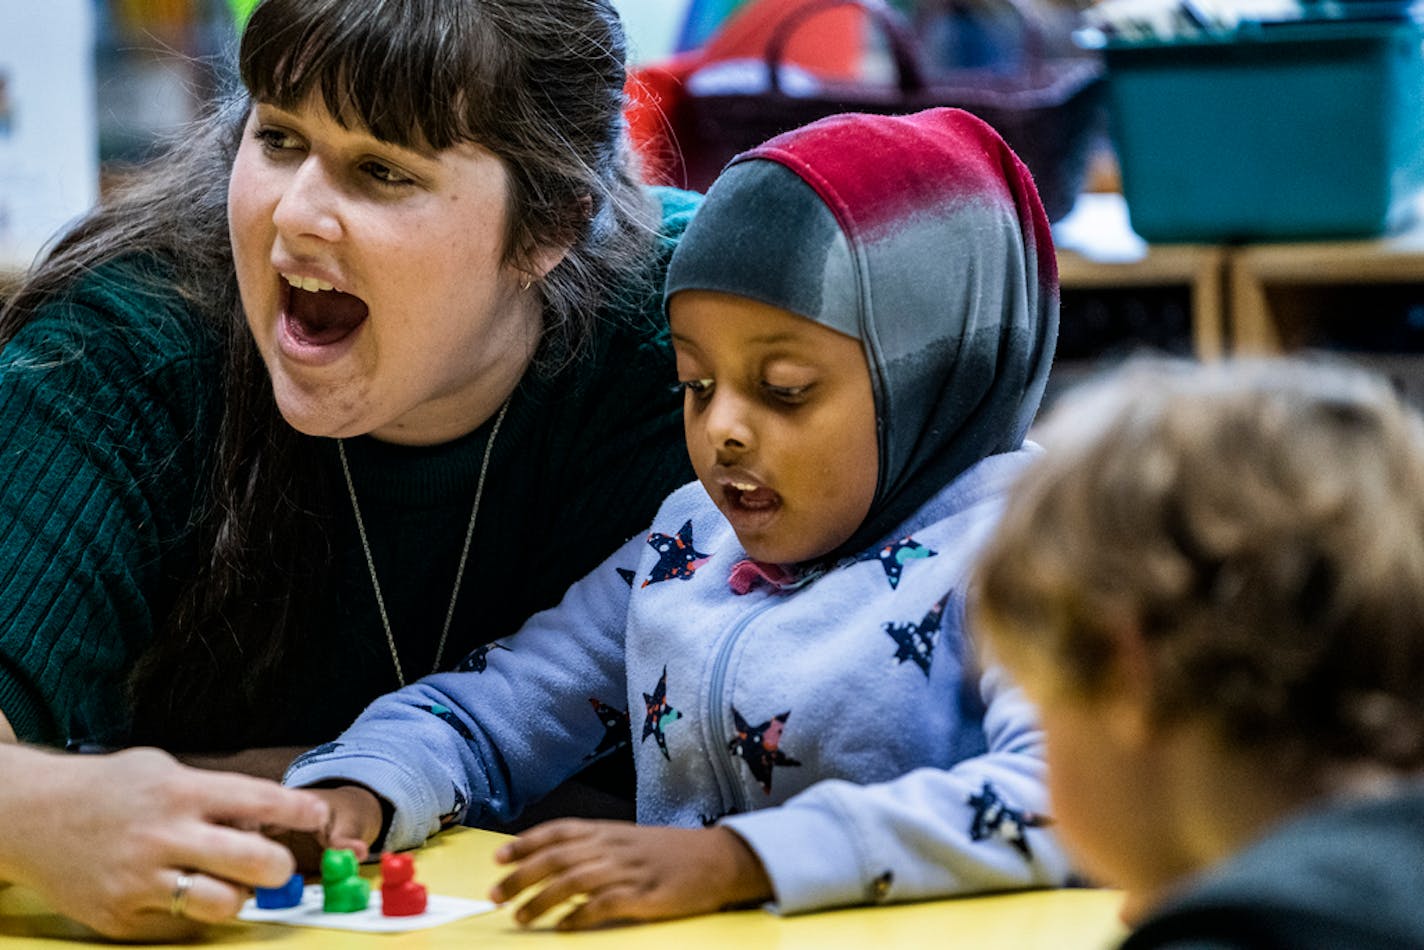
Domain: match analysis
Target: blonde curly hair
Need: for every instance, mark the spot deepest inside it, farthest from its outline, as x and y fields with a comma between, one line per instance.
x=1260, y=525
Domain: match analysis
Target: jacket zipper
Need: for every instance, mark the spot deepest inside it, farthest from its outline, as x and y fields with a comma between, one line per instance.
x=720, y=710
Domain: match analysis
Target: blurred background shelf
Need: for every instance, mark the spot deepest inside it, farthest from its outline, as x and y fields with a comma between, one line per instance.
x=1362, y=300
x=1359, y=299
x=1098, y=254
x=1283, y=295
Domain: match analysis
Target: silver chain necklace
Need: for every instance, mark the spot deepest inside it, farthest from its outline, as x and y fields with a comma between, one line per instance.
x=464, y=551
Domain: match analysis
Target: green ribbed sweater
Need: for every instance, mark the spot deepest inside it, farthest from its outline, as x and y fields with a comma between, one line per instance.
x=108, y=405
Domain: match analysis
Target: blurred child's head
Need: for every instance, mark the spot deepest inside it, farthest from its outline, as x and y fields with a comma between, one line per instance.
x=1226, y=559
x=862, y=309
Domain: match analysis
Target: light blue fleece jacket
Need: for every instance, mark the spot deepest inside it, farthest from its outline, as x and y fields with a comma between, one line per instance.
x=841, y=728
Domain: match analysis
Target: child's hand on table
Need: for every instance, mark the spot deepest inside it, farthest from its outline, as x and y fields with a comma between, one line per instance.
x=628, y=871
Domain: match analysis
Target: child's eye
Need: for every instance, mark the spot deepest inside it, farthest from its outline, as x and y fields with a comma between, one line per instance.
x=275, y=140
x=698, y=387
x=792, y=395
x=384, y=173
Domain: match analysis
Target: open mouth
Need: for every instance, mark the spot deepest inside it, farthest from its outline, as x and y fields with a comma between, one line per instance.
x=318, y=314
x=750, y=498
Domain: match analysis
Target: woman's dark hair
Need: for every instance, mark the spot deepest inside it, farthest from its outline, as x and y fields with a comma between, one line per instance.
x=537, y=82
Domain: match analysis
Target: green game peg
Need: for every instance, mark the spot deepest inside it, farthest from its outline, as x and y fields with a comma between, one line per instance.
x=344, y=891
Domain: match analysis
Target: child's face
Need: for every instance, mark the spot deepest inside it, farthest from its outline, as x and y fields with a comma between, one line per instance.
x=1104, y=781
x=780, y=422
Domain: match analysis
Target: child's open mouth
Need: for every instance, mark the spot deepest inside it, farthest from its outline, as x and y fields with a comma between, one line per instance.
x=317, y=314
x=750, y=498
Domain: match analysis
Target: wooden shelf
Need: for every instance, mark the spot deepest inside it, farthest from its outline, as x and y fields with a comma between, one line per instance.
x=1277, y=290
x=1097, y=249
x=1254, y=298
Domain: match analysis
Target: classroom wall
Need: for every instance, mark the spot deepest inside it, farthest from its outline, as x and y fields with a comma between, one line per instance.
x=48, y=158
x=653, y=26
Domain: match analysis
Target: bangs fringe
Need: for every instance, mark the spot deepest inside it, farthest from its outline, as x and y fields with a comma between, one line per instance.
x=404, y=72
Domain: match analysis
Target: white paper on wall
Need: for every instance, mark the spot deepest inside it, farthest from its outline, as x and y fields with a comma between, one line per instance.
x=652, y=27
x=49, y=153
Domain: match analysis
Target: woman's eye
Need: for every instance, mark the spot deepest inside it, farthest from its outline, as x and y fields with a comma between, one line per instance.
x=384, y=173
x=698, y=387
x=275, y=140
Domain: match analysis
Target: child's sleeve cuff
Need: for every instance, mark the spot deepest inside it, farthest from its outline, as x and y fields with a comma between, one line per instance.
x=809, y=857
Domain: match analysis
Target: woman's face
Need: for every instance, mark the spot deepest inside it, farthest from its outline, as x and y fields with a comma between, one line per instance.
x=373, y=278
x=780, y=423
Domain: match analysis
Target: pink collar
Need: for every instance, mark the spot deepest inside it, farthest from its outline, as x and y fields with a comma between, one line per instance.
x=748, y=574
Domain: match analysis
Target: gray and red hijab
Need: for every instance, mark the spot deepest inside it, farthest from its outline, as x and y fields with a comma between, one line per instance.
x=923, y=237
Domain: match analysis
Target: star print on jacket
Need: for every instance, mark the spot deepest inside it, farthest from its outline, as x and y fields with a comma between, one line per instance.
x=478, y=660
x=676, y=555
x=895, y=555
x=444, y=714
x=627, y=575
x=616, y=730
x=993, y=818
x=916, y=641
x=761, y=746
x=457, y=810
x=660, y=714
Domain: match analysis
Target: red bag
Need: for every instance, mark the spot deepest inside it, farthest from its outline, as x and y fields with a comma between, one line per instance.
x=829, y=46
x=1050, y=111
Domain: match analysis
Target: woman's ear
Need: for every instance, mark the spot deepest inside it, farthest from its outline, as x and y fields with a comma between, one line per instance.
x=544, y=259
x=539, y=258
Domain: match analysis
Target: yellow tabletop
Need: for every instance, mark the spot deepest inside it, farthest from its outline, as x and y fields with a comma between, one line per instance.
x=460, y=862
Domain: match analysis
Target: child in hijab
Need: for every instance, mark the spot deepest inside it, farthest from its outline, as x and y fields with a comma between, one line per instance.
x=864, y=312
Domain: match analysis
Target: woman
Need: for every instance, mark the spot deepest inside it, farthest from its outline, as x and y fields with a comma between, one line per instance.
x=180, y=491
x=339, y=391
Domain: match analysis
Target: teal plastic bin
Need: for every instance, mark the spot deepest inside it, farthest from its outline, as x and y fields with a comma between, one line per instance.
x=1276, y=131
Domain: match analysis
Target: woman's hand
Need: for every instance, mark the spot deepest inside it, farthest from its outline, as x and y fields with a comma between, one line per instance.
x=106, y=839
x=628, y=872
